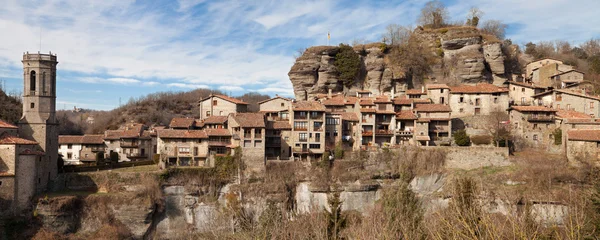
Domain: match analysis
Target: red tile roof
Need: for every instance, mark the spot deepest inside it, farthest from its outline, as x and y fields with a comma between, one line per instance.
x=436, y=86
x=406, y=115
x=350, y=116
x=571, y=114
x=366, y=102
x=92, y=139
x=182, y=133
x=279, y=125
x=479, y=88
x=351, y=100
x=415, y=92
x=382, y=99
x=215, y=120
x=276, y=97
x=337, y=100
x=432, y=108
x=250, y=120
x=368, y=110
x=181, y=123
x=4, y=124
x=308, y=106
x=112, y=134
x=592, y=135
x=533, y=109
x=7, y=139
x=422, y=101
x=70, y=139
x=226, y=98
x=217, y=132
x=403, y=101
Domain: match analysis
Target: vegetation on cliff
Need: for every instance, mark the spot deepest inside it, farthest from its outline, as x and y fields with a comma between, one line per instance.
x=11, y=107
x=347, y=62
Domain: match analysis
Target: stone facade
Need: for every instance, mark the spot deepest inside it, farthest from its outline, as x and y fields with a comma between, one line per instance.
x=534, y=126
x=568, y=99
x=248, y=131
x=521, y=93
x=183, y=147
x=481, y=99
x=220, y=105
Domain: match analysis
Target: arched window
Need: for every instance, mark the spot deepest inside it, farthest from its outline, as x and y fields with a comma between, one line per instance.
x=32, y=81
x=44, y=83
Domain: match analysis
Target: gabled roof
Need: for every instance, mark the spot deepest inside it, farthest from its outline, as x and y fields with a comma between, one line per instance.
x=4, y=124
x=70, y=139
x=281, y=125
x=337, y=100
x=350, y=116
x=182, y=133
x=527, y=85
x=217, y=132
x=479, y=88
x=382, y=99
x=432, y=108
x=215, y=120
x=571, y=114
x=366, y=102
x=415, y=92
x=436, y=86
x=7, y=139
x=568, y=71
x=308, y=106
x=276, y=97
x=592, y=135
x=181, y=123
x=250, y=120
x=533, y=109
x=406, y=115
x=226, y=98
x=112, y=134
x=92, y=139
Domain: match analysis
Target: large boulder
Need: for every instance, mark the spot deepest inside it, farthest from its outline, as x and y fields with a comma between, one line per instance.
x=494, y=57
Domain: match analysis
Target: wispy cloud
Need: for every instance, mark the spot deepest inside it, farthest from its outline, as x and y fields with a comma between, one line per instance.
x=185, y=85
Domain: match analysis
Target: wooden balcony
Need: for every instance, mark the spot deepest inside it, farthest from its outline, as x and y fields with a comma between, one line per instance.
x=533, y=118
x=367, y=133
x=136, y=155
x=384, y=132
x=404, y=133
x=218, y=143
x=125, y=144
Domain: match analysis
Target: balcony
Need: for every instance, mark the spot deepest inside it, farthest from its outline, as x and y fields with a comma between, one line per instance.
x=247, y=135
x=300, y=129
x=533, y=118
x=136, y=155
x=384, y=132
x=125, y=144
x=97, y=149
x=404, y=133
x=301, y=150
x=303, y=140
x=300, y=117
x=367, y=133
x=218, y=143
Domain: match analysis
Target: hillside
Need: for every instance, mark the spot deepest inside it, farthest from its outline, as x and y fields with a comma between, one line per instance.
x=153, y=109
x=11, y=107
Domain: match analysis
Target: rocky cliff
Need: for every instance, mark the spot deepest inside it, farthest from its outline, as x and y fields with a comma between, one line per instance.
x=461, y=54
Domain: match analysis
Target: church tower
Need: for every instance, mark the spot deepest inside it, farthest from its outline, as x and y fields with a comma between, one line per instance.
x=39, y=112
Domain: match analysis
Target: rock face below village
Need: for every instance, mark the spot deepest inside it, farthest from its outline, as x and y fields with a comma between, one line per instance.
x=462, y=55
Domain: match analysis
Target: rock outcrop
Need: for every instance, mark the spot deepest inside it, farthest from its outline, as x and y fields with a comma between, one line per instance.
x=463, y=55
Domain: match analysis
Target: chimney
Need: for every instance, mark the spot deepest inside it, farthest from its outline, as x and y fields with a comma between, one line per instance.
x=393, y=92
x=329, y=93
x=423, y=88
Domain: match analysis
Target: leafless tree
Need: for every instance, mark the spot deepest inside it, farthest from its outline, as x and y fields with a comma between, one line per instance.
x=396, y=34
x=592, y=47
x=433, y=14
x=474, y=16
x=494, y=27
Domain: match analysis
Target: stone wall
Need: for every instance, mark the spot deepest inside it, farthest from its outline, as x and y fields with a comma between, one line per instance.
x=468, y=158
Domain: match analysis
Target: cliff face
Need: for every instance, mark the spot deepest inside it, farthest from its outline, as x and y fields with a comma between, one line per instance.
x=461, y=54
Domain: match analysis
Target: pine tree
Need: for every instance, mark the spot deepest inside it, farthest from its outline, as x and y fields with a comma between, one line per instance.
x=336, y=221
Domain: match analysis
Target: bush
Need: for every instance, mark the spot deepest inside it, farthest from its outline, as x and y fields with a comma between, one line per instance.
x=481, y=139
x=440, y=52
x=557, y=136
x=347, y=62
x=461, y=138
x=339, y=152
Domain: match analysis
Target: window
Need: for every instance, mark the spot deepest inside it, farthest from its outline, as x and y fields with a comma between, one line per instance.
x=535, y=125
x=598, y=145
x=495, y=100
x=208, y=113
x=333, y=121
x=477, y=111
x=314, y=114
x=44, y=82
x=568, y=106
x=535, y=137
x=184, y=150
x=317, y=137
x=477, y=101
x=523, y=100
x=461, y=110
x=591, y=105
x=461, y=99
x=522, y=89
x=247, y=143
x=300, y=126
x=282, y=104
x=513, y=88
x=220, y=113
x=69, y=155
x=442, y=90
x=195, y=151
x=32, y=105
x=441, y=100
x=314, y=146
x=214, y=103
x=257, y=144
x=317, y=125
x=303, y=136
x=69, y=146
x=32, y=82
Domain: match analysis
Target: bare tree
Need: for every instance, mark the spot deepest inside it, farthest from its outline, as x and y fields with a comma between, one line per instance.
x=592, y=47
x=396, y=34
x=562, y=47
x=434, y=14
x=496, y=126
x=474, y=16
x=494, y=27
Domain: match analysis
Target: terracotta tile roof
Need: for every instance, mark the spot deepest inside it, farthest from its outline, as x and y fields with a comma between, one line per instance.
x=308, y=106
x=32, y=152
x=527, y=85
x=403, y=101
x=406, y=115
x=282, y=125
x=436, y=86
x=368, y=110
x=577, y=93
x=7, y=139
x=415, y=92
x=385, y=112
x=250, y=120
x=571, y=114
x=217, y=132
x=421, y=101
x=479, y=88
x=337, y=100
x=351, y=100
x=533, y=109
x=4, y=124
x=226, y=98
x=592, y=135
x=92, y=139
x=70, y=139
x=181, y=123
x=582, y=121
x=215, y=120
x=112, y=134
x=382, y=99
x=276, y=97
x=350, y=116
x=148, y=134
x=432, y=108
x=182, y=133
x=366, y=102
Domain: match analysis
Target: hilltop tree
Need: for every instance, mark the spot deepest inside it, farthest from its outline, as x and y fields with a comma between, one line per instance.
x=474, y=16
x=494, y=27
x=434, y=14
x=347, y=62
x=396, y=35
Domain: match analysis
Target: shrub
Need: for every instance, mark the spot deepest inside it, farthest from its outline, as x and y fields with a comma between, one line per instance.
x=440, y=52
x=461, y=138
x=339, y=152
x=347, y=62
x=557, y=136
x=481, y=139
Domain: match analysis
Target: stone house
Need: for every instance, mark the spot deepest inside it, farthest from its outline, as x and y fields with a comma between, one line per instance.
x=543, y=75
x=569, y=99
x=131, y=141
x=221, y=105
x=308, y=130
x=183, y=123
x=434, y=124
x=182, y=147
x=521, y=93
x=248, y=131
x=481, y=99
x=529, y=69
x=91, y=145
x=562, y=79
x=534, y=126
x=278, y=140
x=417, y=93
x=339, y=103
x=583, y=144
x=276, y=104
x=438, y=93
x=405, y=127
x=69, y=146
x=213, y=122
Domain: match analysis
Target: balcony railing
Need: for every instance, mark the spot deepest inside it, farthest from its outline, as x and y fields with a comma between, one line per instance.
x=385, y=132
x=247, y=135
x=300, y=117
x=540, y=118
x=218, y=143
x=129, y=144
x=303, y=140
x=404, y=132
x=367, y=133
x=300, y=129
x=136, y=155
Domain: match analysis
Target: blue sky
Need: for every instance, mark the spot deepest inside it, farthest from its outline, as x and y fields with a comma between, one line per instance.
x=115, y=49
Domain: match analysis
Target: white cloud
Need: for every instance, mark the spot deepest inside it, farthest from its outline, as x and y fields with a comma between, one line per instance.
x=185, y=5
x=185, y=85
x=123, y=80
x=231, y=88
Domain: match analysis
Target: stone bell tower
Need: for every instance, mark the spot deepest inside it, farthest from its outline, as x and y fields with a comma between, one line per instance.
x=39, y=112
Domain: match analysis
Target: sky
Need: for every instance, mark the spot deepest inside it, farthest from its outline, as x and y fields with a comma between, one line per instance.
x=112, y=50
